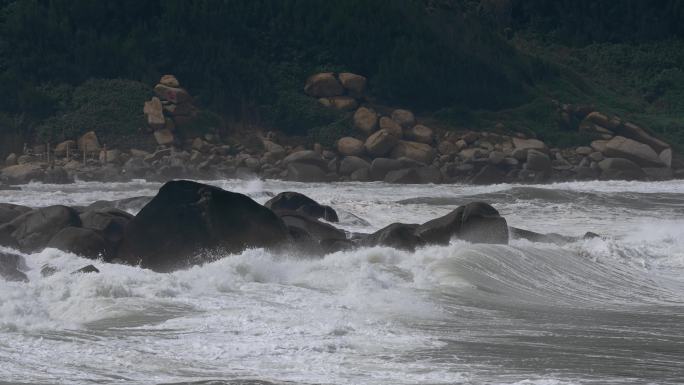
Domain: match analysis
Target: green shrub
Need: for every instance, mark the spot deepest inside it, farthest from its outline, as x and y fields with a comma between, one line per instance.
x=113, y=108
x=203, y=123
x=327, y=135
x=296, y=114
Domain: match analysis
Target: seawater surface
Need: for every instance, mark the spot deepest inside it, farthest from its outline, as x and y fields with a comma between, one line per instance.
x=607, y=310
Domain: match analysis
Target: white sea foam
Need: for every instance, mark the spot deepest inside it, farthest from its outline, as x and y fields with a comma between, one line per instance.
x=371, y=316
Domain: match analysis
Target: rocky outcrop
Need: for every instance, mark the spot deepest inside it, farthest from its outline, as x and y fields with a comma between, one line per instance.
x=419, y=152
x=639, y=153
x=380, y=143
x=296, y=202
x=476, y=222
x=34, y=229
x=10, y=211
x=187, y=218
x=351, y=164
x=391, y=127
x=349, y=146
x=397, y=235
x=354, y=84
x=365, y=120
x=312, y=235
x=89, y=143
x=171, y=108
x=22, y=173
x=619, y=168
x=404, y=118
x=81, y=241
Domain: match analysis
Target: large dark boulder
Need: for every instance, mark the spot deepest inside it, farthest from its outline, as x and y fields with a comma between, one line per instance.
x=84, y=242
x=397, y=235
x=9, y=267
x=186, y=218
x=9, y=211
x=476, y=222
x=294, y=201
x=312, y=234
x=32, y=230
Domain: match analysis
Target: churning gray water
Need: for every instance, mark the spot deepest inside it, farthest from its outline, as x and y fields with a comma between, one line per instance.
x=598, y=311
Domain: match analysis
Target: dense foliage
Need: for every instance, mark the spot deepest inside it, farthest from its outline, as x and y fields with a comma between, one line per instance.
x=247, y=59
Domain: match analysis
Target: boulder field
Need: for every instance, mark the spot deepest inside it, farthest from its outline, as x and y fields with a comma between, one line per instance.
x=189, y=223
x=379, y=143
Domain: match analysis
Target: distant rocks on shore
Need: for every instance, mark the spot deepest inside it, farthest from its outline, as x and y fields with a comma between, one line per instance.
x=387, y=144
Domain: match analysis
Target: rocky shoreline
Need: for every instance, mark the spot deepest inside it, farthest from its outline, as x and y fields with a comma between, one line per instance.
x=189, y=223
x=388, y=144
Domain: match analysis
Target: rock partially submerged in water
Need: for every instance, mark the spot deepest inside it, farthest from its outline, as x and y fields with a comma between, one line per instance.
x=33, y=230
x=294, y=201
x=397, y=235
x=187, y=221
x=476, y=222
x=186, y=217
x=9, y=267
x=555, y=238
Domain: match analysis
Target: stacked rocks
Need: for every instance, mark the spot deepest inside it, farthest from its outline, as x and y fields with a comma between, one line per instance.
x=171, y=107
x=623, y=150
x=340, y=91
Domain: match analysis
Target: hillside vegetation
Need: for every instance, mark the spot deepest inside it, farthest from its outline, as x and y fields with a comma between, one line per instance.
x=68, y=66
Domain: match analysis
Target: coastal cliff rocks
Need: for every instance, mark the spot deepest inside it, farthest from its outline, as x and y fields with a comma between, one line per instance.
x=186, y=217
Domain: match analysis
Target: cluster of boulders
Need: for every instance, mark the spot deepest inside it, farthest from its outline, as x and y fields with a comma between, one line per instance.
x=387, y=144
x=395, y=148
x=341, y=91
x=170, y=108
x=188, y=223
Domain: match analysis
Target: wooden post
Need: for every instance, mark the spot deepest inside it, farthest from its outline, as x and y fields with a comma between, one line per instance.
x=67, y=152
x=104, y=148
x=84, y=153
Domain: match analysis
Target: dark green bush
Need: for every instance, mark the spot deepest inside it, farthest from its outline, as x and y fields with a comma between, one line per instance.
x=113, y=108
x=296, y=114
x=203, y=123
x=327, y=135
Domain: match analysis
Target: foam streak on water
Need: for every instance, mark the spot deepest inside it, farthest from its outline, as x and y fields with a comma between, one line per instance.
x=601, y=311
